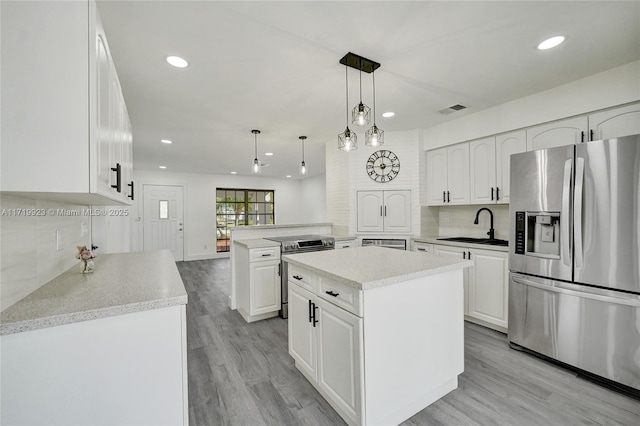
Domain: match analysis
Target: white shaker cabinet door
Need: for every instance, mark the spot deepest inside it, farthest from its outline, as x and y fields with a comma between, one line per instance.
x=559, y=133
x=437, y=177
x=302, y=336
x=340, y=363
x=397, y=211
x=457, y=253
x=482, y=159
x=488, y=287
x=458, y=174
x=264, y=280
x=506, y=145
x=615, y=123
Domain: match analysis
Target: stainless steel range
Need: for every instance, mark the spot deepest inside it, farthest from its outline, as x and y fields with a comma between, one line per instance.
x=297, y=244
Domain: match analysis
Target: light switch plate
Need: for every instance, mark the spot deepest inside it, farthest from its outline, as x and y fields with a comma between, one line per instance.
x=59, y=241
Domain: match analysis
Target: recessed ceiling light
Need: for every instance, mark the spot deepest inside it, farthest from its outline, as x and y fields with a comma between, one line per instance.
x=177, y=61
x=550, y=42
x=268, y=153
x=288, y=176
x=388, y=114
x=165, y=141
x=234, y=173
x=163, y=167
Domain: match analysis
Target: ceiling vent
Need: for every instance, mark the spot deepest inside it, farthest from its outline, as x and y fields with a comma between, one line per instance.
x=452, y=109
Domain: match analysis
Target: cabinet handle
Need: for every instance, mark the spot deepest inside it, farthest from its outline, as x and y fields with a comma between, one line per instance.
x=591, y=134
x=131, y=186
x=346, y=246
x=310, y=310
x=385, y=211
x=279, y=269
x=448, y=199
x=297, y=277
x=464, y=254
x=492, y=193
x=421, y=249
x=380, y=210
x=266, y=255
x=497, y=194
x=469, y=255
x=118, y=170
x=331, y=293
x=315, y=321
x=444, y=196
x=582, y=136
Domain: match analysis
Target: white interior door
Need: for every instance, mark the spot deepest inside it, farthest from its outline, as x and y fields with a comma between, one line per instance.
x=163, y=219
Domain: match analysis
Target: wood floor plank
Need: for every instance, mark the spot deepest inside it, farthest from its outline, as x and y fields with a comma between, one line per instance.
x=242, y=374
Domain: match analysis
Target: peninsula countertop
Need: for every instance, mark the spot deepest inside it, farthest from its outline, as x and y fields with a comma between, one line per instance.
x=121, y=284
x=371, y=267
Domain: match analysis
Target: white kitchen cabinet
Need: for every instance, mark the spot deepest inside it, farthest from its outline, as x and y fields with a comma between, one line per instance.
x=258, y=286
x=558, y=133
x=384, y=211
x=66, y=119
x=615, y=122
x=343, y=244
x=423, y=247
x=326, y=343
x=506, y=145
x=448, y=175
x=485, y=283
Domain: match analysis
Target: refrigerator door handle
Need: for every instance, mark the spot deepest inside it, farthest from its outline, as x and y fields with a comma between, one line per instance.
x=564, y=215
x=577, y=215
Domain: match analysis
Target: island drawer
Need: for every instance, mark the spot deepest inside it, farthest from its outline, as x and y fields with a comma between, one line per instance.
x=343, y=295
x=302, y=277
x=266, y=253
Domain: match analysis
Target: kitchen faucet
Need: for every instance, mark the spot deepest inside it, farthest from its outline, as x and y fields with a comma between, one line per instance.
x=491, y=232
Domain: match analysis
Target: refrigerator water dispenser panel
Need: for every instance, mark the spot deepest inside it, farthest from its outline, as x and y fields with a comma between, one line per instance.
x=538, y=234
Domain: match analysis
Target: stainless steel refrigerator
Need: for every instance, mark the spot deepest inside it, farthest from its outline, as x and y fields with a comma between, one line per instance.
x=574, y=256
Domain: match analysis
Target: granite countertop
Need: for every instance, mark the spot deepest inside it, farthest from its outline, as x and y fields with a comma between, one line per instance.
x=257, y=243
x=294, y=225
x=366, y=268
x=435, y=240
x=120, y=284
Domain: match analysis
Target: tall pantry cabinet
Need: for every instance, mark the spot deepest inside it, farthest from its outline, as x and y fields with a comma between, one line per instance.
x=66, y=133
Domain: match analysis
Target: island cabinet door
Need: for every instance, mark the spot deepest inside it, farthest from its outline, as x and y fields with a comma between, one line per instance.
x=302, y=335
x=340, y=364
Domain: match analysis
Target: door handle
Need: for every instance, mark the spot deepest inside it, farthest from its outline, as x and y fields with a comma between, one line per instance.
x=130, y=185
x=464, y=255
x=564, y=215
x=385, y=210
x=497, y=194
x=444, y=196
x=310, y=311
x=380, y=210
x=492, y=193
x=279, y=269
x=448, y=199
x=315, y=308
x=577, y=212
x=118, y=170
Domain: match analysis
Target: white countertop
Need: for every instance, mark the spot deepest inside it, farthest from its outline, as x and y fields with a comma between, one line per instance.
x=294, y=225
x=435, y=240
x=257, y=243
x=121, y=283
x=371, y=267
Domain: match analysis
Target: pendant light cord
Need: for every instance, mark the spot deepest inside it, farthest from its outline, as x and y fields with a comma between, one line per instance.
x=255, y=138
x=346, y=83
x=373, y=74
x=360, y=83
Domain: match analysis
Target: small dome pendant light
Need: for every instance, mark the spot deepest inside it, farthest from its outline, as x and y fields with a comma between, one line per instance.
x=303, y=165
x=256, y=163
x=347, y=141
x=374, y=136
x=361, y=113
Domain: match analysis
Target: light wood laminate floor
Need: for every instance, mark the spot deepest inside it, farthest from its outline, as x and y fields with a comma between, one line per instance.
x=242, y=374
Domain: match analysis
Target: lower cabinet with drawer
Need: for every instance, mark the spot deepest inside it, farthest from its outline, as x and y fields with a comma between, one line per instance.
x=258, y=282
x=359, y=347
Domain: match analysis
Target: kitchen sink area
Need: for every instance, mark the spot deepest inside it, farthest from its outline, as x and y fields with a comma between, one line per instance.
x=488, y=241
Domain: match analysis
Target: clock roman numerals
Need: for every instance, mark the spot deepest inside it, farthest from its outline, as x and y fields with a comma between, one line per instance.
x=383, y=166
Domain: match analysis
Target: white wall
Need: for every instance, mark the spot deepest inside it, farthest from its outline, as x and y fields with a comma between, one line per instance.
x=28, y=255
x=200, y=204
x=607, y=89
x=346, y=174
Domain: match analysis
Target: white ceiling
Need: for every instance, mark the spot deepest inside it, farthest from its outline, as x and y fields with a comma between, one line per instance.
x=273, y=66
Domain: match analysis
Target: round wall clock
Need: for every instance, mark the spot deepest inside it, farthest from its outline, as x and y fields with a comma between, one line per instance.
x=383, y=166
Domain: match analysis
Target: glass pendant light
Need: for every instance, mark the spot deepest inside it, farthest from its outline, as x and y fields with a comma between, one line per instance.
x=303, y=166
x=256, y=163
x=374, y=136
x=347, y=141
x=361, y=113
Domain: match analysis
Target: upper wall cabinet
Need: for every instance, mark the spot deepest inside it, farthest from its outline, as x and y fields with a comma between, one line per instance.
x=65, y=127
x=564, y=132
x=615, y=123
x=448, y=175
x=384, y=211
x=489, y=169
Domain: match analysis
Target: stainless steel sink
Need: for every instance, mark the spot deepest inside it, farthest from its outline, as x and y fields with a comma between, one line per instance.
x=488, y=241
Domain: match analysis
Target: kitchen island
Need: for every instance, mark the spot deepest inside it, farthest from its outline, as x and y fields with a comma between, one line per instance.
x=102, y=348
x=379, y=332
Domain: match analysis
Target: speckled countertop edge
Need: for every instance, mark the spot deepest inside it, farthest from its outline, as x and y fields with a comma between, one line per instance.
x=345, y=265
x=257, y=243
x=121, y=284
x=435, y=240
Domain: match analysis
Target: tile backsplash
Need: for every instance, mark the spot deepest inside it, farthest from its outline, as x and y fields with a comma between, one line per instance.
x=29, y=257
x=457, y=221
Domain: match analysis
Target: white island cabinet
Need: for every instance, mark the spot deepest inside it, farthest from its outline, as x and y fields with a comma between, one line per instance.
x=378, y=332
x=102, y=348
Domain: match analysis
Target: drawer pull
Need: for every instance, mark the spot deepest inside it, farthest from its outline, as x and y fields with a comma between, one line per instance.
x=421, y=249
x=297, y=277
x=266, y=255
x=331, y=293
